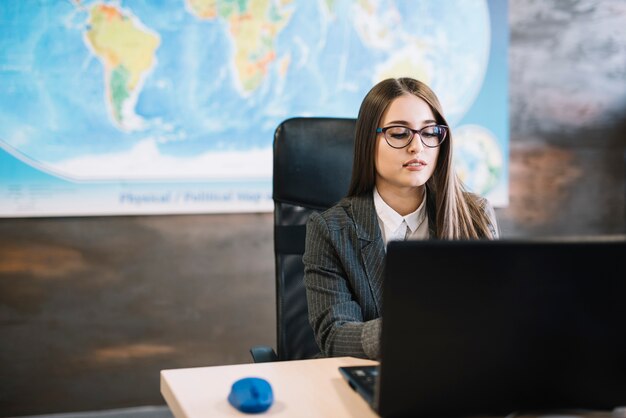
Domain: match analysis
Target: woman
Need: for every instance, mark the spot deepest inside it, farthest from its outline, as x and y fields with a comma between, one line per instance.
x=403, y=186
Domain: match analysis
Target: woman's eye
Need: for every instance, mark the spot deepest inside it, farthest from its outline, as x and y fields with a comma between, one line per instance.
x=399, y=136
x=399, y=133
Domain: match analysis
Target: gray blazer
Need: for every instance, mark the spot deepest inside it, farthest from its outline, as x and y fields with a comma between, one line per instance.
x=344, y=259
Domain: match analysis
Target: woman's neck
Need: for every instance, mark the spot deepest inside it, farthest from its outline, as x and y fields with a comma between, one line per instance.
x=402, y=201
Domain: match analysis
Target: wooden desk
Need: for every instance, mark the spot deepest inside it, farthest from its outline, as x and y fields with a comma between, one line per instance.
x=305, y=388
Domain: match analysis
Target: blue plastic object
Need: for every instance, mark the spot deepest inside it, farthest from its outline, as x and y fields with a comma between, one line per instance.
x=251, y=395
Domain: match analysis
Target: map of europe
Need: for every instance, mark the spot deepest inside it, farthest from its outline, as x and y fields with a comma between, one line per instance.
x=134, y=106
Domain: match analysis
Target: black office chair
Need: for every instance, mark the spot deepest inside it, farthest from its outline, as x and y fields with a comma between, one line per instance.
x=312, y=170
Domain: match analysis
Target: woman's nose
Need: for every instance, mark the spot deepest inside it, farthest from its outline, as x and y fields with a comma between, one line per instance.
x=416, y=146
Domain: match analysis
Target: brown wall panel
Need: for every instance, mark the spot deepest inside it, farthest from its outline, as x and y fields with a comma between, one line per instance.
x=92, y=308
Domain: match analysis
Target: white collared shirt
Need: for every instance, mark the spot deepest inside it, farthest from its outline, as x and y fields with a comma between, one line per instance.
x=393, y=225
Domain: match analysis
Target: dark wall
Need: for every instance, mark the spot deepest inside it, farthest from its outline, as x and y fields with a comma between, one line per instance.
x=92, y=308
x=568, y=118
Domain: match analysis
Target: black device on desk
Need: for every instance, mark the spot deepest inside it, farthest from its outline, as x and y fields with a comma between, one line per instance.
x=493, y=327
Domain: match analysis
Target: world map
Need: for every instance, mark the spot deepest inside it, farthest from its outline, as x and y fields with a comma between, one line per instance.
x=143, y=105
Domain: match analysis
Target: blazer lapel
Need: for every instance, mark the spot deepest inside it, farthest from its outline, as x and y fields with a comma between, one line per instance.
x=372, y=246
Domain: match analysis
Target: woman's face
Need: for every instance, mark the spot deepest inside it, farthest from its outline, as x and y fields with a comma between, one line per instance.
x=407, y=169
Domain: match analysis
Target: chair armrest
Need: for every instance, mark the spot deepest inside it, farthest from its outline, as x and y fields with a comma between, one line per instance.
x=263, y=354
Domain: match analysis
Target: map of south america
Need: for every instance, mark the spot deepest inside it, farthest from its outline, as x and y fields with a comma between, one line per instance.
x=127, y=50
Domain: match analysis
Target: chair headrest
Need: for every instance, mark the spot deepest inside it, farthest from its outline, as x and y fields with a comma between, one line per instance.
x=313, y=161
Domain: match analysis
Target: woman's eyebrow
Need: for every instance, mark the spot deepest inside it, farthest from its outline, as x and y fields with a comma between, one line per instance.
x=403, y=122
x=398, y=122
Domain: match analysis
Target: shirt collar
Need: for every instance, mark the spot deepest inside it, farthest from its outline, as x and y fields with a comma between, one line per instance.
x=393, y=219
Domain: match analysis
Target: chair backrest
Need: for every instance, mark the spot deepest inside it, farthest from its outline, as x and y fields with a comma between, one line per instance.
x=312, y=170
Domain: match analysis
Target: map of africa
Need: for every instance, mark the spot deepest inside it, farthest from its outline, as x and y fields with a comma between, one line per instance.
x=171, y=106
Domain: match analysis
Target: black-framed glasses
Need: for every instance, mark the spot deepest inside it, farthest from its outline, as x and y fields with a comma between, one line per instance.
x=398, y=136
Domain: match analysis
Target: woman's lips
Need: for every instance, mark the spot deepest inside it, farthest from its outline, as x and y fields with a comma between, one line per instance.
x=415, y=164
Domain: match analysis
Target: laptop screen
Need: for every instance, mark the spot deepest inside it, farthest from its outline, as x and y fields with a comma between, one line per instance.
x=491, y=327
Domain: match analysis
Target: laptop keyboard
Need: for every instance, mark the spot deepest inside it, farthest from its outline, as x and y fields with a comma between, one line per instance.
x=367, y=376
x=362, y=379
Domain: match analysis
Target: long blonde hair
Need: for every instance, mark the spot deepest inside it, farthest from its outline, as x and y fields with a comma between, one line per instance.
x=453, y=212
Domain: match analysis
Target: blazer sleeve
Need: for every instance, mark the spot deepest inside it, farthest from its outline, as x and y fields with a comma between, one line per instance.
x=334, y=314
x=491, y=216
